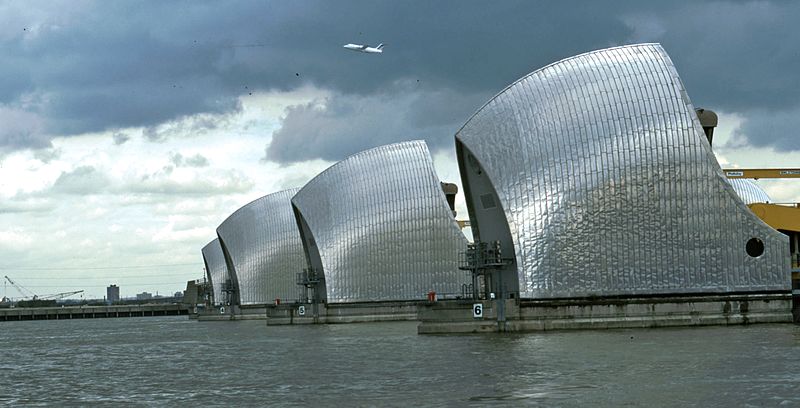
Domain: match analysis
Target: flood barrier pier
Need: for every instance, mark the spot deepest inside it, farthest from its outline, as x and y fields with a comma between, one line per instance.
x=91, y=312
x=796, y=294
x=514, y=315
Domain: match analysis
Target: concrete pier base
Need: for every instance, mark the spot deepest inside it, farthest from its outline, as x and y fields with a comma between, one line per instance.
x=796, y=295
x=341, y=313
x=227, y=313
x=457, y=316
x=92, y=312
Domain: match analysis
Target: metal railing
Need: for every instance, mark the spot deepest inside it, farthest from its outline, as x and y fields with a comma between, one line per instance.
x=308, y=281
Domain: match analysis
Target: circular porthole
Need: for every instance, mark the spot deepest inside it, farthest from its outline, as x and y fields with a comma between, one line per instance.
x=755, y=247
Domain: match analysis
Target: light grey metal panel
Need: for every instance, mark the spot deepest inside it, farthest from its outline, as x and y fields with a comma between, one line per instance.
x=749, y=191
x=609, y=187
x=382, y=226
x=265, y=249
x=216, y=271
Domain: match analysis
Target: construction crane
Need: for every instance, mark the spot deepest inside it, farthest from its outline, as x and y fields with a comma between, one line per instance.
x=58, y=296
x=26, y=293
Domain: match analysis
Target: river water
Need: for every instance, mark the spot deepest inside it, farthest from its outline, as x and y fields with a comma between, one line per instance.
x=173, y=361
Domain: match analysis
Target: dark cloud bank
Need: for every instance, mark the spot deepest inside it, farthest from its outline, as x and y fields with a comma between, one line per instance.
x=118, y=64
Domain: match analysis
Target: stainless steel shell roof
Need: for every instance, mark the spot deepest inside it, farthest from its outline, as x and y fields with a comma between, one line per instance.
x=749, y=191
x=382, y=227
x=216, y=271
x=265, y=250
x=609, y=187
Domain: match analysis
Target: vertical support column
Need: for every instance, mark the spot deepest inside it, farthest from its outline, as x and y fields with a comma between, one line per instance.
x=795, y=241
x=500, y=301
x=795, y=297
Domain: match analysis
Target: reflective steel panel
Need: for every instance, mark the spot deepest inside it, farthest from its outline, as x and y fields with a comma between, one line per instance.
x=216, y=271
x=263, y=246
x=379, y=226
x=595, y=174
x=749, y=191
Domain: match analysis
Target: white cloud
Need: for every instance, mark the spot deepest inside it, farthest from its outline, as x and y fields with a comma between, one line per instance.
x=15, y=238
x=26, y=205
x=94, y=202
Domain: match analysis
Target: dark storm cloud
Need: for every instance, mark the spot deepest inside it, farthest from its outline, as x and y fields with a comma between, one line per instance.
x=116, y=64
x=21, y=129
x=776, y=129
x=342, y=125
x=737, y=57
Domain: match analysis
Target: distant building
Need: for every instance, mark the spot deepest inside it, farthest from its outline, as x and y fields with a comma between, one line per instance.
x=144, y=296
x=112, y=294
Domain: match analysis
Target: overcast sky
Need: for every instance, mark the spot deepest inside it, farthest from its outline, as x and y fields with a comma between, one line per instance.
x=130, y=130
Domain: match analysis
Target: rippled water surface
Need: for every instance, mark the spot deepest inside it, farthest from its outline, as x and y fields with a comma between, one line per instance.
x=178, y=362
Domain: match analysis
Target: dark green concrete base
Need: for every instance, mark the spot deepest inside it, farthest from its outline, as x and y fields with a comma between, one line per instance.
x=227, y=313
x=342, y=313
x=92, y=312
x=456, y=316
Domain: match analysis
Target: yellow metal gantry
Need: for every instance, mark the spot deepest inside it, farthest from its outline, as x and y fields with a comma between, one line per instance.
x=785, y=218
x=780, y=217
x=761, y=173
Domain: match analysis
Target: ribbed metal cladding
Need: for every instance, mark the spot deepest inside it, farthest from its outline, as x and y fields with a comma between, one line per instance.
x=609, y=186
x=216, y=271
x=749, y=191
x=382, y=226
x=265, y=249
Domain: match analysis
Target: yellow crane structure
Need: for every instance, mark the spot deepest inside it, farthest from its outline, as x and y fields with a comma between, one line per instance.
x=761, y=173
x=783, y=217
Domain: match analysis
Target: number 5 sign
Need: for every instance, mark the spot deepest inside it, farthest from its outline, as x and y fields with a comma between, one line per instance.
x=477, y=310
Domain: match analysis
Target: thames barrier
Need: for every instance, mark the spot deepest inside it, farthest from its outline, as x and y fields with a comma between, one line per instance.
x=594, y=201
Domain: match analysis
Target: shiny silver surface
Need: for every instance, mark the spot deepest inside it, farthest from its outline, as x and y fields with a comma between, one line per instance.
x=749, y=191
x=609, y=187
x=381, y=228
x=216, y=271
x=265, y=249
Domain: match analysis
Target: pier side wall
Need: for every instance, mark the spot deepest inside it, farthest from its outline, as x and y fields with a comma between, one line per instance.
x=542, y=315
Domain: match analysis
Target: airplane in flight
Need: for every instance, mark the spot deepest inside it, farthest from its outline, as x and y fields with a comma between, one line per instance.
x=365, y=48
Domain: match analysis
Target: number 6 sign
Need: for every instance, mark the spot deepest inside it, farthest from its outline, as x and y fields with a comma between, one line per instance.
x=477, y=310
